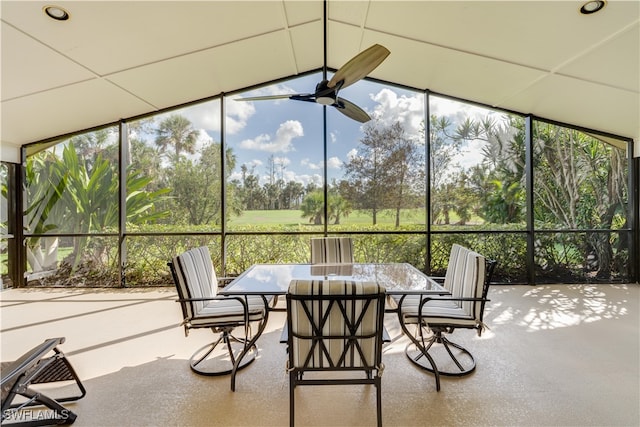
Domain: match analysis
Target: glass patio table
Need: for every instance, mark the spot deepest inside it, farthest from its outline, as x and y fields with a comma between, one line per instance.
x=274, y=279
x=400, y=279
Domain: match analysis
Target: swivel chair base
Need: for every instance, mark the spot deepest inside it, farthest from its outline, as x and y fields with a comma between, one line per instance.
x=221, y=356
x=451, y=359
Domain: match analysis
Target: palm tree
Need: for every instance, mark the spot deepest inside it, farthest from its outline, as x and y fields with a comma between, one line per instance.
x=338, y=207
x=313, y=207
x=176, y=131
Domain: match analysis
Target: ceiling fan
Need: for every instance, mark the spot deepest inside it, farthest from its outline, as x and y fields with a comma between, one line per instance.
x=326, y=92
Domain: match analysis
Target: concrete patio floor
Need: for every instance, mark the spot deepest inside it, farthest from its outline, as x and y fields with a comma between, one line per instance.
x=555, y=355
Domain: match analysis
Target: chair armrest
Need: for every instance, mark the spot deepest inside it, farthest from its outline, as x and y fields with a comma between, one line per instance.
x=424, y=298
x=423, y=301
x=241, y=299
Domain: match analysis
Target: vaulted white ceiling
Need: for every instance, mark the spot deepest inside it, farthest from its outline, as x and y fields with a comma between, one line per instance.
x=115, y=60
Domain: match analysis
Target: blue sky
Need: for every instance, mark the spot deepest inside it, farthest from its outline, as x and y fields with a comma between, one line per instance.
x=291, y=131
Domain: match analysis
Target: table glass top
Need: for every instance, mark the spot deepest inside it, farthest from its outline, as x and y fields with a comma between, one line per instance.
x=274, y=279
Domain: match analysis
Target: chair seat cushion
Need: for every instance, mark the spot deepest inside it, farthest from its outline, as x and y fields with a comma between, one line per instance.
x=411, y=303
x=435, y=312
x=230, y=310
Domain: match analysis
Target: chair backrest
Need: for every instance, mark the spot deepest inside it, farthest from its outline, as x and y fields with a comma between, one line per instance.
x=335, y=324
x=472, y=274
x=454, y=277
x=450, y=273
x=194, y=277
x=331, y=250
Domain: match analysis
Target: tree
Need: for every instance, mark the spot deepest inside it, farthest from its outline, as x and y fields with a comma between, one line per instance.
x=292, y=195
x=405, y=174
x=78, y=195
x=444, y=146
x=251, y=195
x=503, y=191
x=580, y=184
x=387, y=172
x=313, y=207
x=197, y=186
x=42, y=252
x=338, y=207
x=494, y=188
x=176, y=131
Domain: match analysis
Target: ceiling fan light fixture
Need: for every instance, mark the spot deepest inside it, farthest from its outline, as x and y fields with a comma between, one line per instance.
x=325, y=100
x=592, y=6
x=56, y=12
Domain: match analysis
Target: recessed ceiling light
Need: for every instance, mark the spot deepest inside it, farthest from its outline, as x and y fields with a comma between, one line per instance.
x=56, y=12
x=592, y=6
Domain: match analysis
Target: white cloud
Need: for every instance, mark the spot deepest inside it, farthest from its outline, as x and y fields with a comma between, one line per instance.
x=334, y=163
x=238, y=114
x=457, y=111
x=471, y=154
x=352, y=153
x=282, y=142
x=282, y=161
x=306, y=179
x=255, y=163
x=206, y=116
x=203, y=139
x=391, y=108
x=333, y=136
x=308, y=164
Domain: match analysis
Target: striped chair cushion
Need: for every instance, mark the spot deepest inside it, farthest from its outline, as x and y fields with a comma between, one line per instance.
x=229, y=310
x=453, y=281
x=452, y=278
x=197, y=279
x=308, y=350
x=327, y=250
x=470, y=276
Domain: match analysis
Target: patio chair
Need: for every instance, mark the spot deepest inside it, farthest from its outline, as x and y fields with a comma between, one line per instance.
x=21, y=380
x=468, y=278
x=331, y=250
x=202, y=307
x=335, y=327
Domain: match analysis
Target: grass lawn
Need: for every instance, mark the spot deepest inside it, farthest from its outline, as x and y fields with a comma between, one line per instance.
x=294, y=217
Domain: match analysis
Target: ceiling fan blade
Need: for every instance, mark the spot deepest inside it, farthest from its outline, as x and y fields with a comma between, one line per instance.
x=266, y=97
x=359, y=66
x=351, y=110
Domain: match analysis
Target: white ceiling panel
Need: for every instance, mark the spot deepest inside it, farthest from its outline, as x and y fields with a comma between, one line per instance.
x=28, y=66
x=307, y=46
x=603, y=63
x=343, y=43
x=451, y=72
x=238, y=62
x=349, y=12
x=67, y=109
x=174, y=81
x=113, y=36
x=602, y=108
x=540, y=34
x=117, y=59
x=302, y=12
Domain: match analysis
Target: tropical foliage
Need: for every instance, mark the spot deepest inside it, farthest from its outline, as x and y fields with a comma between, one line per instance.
x=178, y=187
